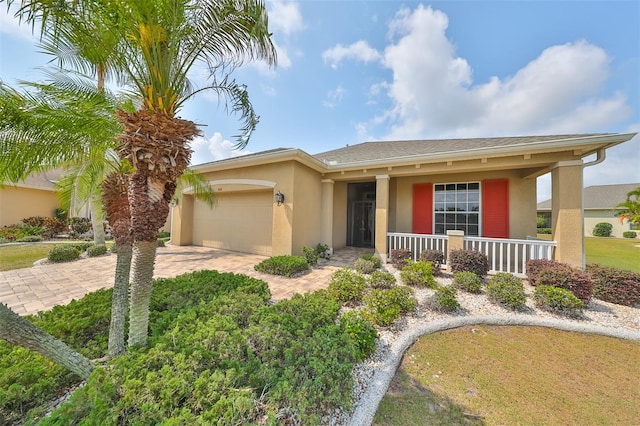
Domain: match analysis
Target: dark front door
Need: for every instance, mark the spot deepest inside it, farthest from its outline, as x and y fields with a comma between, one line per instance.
x=361, y=212
x=363, y=223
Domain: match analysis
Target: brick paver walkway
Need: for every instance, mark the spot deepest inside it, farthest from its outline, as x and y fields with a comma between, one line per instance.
x=30, y=290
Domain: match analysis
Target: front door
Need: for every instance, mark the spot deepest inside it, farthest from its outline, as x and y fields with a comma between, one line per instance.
x=363, y=223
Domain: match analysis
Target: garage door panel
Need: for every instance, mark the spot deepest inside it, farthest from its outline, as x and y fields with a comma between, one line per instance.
x=239, y=222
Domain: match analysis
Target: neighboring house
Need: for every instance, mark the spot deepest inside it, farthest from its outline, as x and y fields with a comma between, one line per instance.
x=600, y=206
x=35, y=196
x=391, y=194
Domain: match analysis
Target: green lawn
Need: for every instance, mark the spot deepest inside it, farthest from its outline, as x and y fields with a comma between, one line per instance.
x=618, y=252
x=22, y=256
x=515, y=375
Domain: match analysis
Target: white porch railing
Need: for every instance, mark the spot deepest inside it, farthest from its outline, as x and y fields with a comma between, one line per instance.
x=417, y=243
x=505, y=255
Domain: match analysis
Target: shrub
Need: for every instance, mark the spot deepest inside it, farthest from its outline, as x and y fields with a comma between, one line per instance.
x=310, y=255
x=373, y=258
x=602, y=229
x=444, y=299
x=30, y=239
x=159, y=243
x=547, y=231
x=364, y=266
x=399, y=257
x=541, y=222
x=383, y=307
x=615, y=285
x=79, y=226
x=361, y=331
x=534, y=266
x=81, y=246
x=558, y=300
x=96, y=250
x=287, y=266
x=418, y=274
x=469, y=261
x=506, y=290
x=382, y=279
x=565, y=276
x=50, y=226
x=467, y=281
x=322, y=250
x=164, y=234
x=435, y=257
x=63, y=253
x=346, y=286
x=629, y=234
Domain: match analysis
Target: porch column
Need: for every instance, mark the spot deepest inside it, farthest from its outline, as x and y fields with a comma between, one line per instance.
x=382, y=215
x=326, y=231
x=182, y=221
x=566, y=212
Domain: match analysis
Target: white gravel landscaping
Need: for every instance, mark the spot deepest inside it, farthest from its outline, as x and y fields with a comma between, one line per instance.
x=372, y=377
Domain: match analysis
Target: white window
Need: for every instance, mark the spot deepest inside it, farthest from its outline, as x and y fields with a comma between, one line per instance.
x=457, y=207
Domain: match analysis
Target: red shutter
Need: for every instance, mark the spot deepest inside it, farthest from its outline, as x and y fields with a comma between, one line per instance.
x=423, y=208
x=495, y=208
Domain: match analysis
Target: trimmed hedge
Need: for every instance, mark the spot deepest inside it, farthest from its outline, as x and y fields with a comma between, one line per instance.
x=557, y=300
x=96, y=250
x=469, y=261
x=287, y=266
x=602, y=229
x=63, y=253
x=614, y=285
x=468, y=281
x=435, y=257
x=418, y=274
x=629, y=234
x=399, y=257
x=506, y=290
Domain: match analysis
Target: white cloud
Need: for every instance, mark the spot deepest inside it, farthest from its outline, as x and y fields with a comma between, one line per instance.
x=432, y=92
x=10, y=25
x=334, y=97
x=285, y=18
x=360, y=50
x=213, y=149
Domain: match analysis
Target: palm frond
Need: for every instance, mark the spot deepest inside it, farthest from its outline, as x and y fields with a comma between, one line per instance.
x=200, y=185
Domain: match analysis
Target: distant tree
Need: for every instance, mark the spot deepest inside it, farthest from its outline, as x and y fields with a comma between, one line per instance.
x=630, y=208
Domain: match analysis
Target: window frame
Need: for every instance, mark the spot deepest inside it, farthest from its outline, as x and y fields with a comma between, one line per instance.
x=455, y=197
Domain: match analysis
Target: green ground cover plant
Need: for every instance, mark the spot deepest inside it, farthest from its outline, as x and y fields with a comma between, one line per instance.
x=558, y=300
x=381, y=279
x=418, y=274
x=467, y=281
x=435, y=257
x=346, y=286
x=287, y=266
x=506, y=290
x=444, y=299
x=383, y=307
x=499, y=376
x=218, y=353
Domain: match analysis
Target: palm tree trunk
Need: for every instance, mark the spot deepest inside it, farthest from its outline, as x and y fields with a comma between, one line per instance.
x=18, y=331
x=119, y=300
x=144, y=256
x=96, y=220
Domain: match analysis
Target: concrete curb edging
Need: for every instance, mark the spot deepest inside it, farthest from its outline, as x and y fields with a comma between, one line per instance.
x=366, y=409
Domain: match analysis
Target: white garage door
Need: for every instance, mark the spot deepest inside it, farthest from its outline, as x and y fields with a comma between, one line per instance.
x=239, y=221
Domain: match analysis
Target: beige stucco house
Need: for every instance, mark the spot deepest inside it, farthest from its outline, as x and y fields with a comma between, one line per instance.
x=599, y=204
x=395, y=194
x=35, y=196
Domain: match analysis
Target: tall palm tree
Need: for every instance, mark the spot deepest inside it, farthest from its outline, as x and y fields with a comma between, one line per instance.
x=630, y=207
x=165, y=38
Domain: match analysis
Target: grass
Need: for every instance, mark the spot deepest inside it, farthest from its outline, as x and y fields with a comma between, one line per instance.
x=515, y=375
x=22, y=256
x=618, y=252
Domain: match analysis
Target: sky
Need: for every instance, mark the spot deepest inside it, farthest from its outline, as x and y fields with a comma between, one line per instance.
x=355, y=71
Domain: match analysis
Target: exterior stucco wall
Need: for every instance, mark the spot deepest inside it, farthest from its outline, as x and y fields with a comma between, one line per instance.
x=593, y=217
x=17, y=203
x=340, y=214
x=307, y=197
x=522, y=199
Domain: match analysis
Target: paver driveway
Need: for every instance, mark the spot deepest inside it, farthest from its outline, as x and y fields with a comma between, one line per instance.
x=30, y=290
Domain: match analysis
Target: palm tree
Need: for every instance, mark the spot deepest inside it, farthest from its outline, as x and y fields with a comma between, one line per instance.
x=18, y=331
x=630, y=208
x=165, y=39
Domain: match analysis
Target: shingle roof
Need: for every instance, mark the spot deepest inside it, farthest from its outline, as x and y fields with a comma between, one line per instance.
x=372, y=151
x=600, y=197
x=253, y=154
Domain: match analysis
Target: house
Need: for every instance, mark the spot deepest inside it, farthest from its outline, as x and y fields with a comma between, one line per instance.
x=35, y=196
x=599, y=203
x=441, y=194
